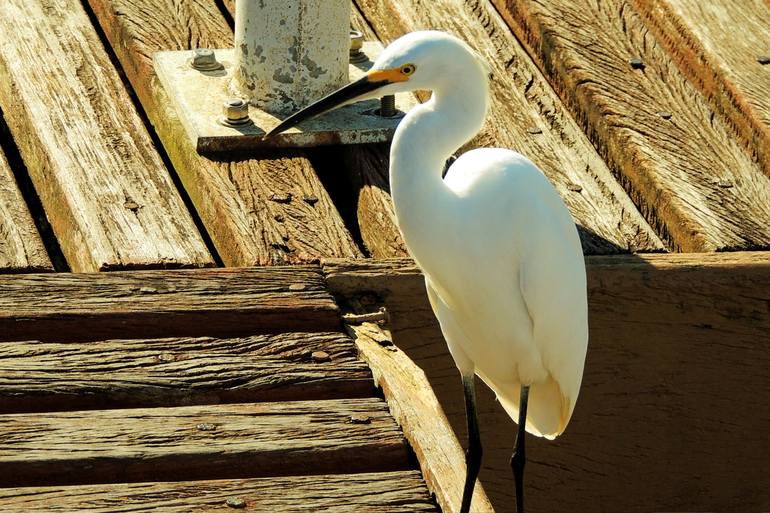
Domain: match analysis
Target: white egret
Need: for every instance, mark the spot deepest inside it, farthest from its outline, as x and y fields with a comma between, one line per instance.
x=501, y=256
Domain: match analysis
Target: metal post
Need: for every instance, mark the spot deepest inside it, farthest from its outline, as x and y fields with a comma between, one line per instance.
x=289, y=53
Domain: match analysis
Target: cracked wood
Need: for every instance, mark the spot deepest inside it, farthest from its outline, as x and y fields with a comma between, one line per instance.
x=679, y=161
x=263, y=211
x=106, y=192
x=199, y=442
x=385, y=492
x=718, y=45
x=21, y=249
x=36, y=376
x=522, y=102
x=146, y=304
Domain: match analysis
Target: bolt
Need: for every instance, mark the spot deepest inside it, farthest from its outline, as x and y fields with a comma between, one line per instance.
x=356, y=45
x=204, y=59
x=763, y=59
x=235, y=113
x=636, y=63
x=388, y=106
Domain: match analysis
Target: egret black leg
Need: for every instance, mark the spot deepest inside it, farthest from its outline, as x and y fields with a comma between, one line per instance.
x=518, y=459
x=473, y=455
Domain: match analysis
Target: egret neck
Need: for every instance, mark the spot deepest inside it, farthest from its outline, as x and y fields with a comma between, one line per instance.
x=427, y=136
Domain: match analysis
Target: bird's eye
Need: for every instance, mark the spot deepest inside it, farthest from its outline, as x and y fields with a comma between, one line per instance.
x=407, y=69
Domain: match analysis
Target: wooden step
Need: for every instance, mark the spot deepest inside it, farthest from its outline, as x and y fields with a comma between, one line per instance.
x=200, y=442
x=382, y=492
x=37, y=376
x=148, y=304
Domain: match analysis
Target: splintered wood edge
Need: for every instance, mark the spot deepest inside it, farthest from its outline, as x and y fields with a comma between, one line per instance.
x=417, y=411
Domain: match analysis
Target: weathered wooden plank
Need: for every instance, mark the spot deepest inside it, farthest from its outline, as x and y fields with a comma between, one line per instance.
x=690, y=176
x=21, y=249
x=37, y=376
x=105, y=189
x=200, y=442
x=147, y=304
x=267, y=211
x=676, y=379
x=718, y=45
x=366, y=170
x=418, y=412
x=383, y=492
x=523, y=103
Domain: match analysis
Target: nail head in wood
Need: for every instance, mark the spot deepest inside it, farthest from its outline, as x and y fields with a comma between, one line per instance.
x=664, y=114
x=636, y=63
x=534, y=130
x=320, y=356
x=763, y=60
x=206, y=427
x=236, y=503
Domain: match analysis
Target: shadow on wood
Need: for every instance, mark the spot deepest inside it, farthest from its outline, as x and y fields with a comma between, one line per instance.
x=673, y=410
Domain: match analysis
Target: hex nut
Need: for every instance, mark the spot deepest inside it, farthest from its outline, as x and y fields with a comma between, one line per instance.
x=235, y=112
x=204, y=59
x=356, y=45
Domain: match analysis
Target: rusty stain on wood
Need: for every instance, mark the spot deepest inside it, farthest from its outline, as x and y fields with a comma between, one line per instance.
x=21, y=249
x=206, y=302
x=230, y=195
x=148, y=444
x=670, y=167
x=86, y=148
x=717, y=44
x=39, y=376
x=521, y=98
x=384, y=492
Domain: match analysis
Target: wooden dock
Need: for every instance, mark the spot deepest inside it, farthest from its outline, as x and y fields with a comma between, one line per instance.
x=212, y=368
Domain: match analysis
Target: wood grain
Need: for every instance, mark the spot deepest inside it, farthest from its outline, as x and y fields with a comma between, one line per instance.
x=148, y=304
x=271, y=210
x=717, y=45
x=199, y=442
x=521, y=102
x=383, y=492
x=689, y=175
x=418, y=413
x=37, y=376
x=674, y=393
x=364, y=168
x=21, y=249
x=106, y=192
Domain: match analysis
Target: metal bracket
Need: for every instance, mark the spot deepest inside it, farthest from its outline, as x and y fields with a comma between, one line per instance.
x=199, y=95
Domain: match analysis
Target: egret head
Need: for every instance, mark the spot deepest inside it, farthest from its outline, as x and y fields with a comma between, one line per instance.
x=429, y=60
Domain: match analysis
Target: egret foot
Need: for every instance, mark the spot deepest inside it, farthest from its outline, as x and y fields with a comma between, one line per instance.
x=473, y=454
x=519, y=459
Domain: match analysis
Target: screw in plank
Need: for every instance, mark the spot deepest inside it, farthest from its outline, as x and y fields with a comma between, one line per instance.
x=665, y=114
x=204, y=59
x=388, y=106
x=235, y=113
x=356, y=47
x=534, y=130
x=206, y=427
x=636, y=63
x=236, y=502
x=359, y=418
x=320, y=356
x=725, y=184
x=763, y=59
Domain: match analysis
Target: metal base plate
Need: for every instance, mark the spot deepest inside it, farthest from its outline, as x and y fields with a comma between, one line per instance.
x=198, y=97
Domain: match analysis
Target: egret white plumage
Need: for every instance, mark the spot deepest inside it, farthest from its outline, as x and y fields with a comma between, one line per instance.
x=501, y=255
